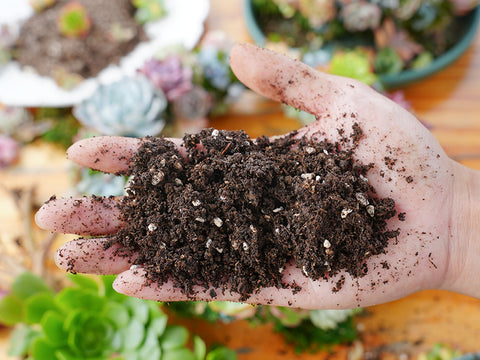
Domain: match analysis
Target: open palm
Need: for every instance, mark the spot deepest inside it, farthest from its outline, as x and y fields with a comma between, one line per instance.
x=409, y=166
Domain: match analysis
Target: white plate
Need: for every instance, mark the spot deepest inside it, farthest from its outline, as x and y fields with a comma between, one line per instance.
x=183, y=25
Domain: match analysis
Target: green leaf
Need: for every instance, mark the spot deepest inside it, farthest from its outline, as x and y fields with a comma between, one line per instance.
x=37, y=305
x=73, y=319
x=199, y=348
x=84, y=282
x=155, y=308
x=133, y=335
x=158, y=325
x=42, y=349
x=139, y=309
x=21, y=339
x=150, y=346
x=52, y=325
x=221, y=353
x=150, y=353
x=66, y=354
x=178, y=354
x=11, y=310
x=28, y=284
x=91, y=337
x=174, y=337
x=117, y=313
x=70, y=299
x=62, y=131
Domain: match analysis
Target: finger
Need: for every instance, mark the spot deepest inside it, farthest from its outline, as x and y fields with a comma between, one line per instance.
x=106, y=153
x=110, y=154
x=93, y=256
x=283, y=79
x=133, y=282
x=82, y=216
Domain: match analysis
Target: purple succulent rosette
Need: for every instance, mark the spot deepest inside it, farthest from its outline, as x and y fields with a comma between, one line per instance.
x=169, y=75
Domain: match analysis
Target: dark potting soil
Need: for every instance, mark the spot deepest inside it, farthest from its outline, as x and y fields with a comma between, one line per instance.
x=237, y=211
x=40, y=44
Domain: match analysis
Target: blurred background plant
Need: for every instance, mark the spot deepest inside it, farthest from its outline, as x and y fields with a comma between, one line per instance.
x=397, y=35
x=88, y=320
x=306, y=330
x=73, y=20
x=440, y=352
x=149, y=10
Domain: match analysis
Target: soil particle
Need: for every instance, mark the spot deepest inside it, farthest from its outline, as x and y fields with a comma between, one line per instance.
x=233, y=212
x=40, y=44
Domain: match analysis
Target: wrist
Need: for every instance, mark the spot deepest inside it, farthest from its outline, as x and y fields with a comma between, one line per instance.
x=464, y=244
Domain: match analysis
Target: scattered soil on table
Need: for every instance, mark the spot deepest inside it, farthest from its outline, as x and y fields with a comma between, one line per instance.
x=236, y=210
x=40, y=44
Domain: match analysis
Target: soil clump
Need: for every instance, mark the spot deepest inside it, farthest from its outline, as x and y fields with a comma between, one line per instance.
x=41, y=45
x=233, y=212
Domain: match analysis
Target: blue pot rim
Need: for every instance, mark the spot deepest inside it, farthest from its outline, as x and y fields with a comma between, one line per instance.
x=472, y=20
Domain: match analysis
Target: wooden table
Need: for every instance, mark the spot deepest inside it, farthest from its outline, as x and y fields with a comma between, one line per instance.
x=448, y=101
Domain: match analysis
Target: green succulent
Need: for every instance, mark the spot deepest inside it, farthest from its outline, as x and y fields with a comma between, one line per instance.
x=148, y=10
x=354, y=64
x=91, y=321
x=305, y=330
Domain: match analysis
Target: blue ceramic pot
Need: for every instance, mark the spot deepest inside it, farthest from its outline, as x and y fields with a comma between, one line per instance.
x=469, y=24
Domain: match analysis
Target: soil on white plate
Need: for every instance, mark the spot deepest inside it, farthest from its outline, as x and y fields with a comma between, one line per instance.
x=41, y=46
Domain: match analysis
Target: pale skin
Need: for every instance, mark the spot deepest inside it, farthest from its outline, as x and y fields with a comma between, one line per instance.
x=438, y=243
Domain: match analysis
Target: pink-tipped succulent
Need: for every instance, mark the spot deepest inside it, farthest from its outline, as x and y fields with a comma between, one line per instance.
x=73, y=20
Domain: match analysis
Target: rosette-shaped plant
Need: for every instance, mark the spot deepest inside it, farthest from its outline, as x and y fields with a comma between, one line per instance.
x=90, y=321
x=169, y=75
x=148, y=10
x=128, y=107
x=318, y=12
x=361, y=16
x=314, y=330
x=217, y=77
x=73, y=20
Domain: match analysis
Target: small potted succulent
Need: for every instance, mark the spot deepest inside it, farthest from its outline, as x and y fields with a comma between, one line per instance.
x=404, y=40
x=73, y=20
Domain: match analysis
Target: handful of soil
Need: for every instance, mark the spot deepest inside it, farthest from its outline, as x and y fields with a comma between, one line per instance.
x=236, y=211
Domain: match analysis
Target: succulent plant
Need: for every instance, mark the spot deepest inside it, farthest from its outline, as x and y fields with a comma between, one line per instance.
x=216, y=76
x=215, y=67
x=318, y=12
x=194, y=104
x=128, y=107
x=361, y=16
x=413, y=29
x=89, y=320
x=148, y=10
x=73, y=20
x=329, y=319
x=354, y=64
x=169, y=75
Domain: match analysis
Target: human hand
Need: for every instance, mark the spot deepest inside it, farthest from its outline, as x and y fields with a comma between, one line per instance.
x=409, y=166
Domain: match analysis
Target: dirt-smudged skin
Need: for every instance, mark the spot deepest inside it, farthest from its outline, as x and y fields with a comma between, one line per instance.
x=240, y=210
